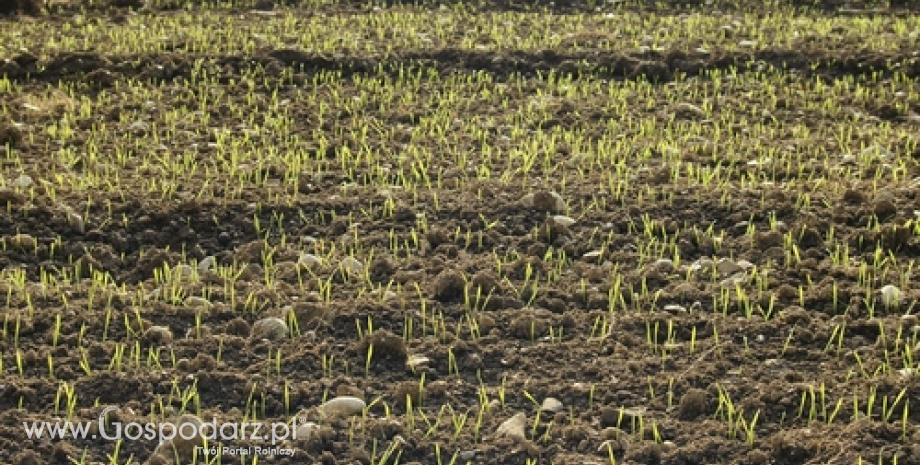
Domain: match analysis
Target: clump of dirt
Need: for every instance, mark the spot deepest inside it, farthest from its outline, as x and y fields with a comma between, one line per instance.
x=386, y=346
x=10, y=135
x=449, y=285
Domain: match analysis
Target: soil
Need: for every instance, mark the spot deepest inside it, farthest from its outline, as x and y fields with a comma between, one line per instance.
x=526, y=345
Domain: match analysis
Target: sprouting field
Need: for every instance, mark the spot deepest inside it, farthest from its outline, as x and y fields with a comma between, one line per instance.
x=523, y=233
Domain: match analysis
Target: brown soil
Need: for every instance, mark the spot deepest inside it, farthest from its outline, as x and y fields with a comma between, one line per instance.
x=763, y=365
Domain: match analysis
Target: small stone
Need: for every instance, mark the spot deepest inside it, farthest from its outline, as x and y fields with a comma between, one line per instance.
x=271, y=328
x=468, y=455
x=417, y=361
x=76, y=222
x=876, y=152
x=739, y=279
x=689, y=111
x=24, y=181
x=197, y=302
x=702, y=264
x=23, y=241
x=305, y=431
x=664, y=265
x=563, y=220
x=744, y=264
x=527, y=201
x=207, y=263
x=675, y=309
x=309, y=260
x=183, y=271
x=513, y=427
x=352, y=266
x=909, y=319
x=727, y=267
x=891, y=295
x=593, y=256
x=342, y=406
x=551, y=405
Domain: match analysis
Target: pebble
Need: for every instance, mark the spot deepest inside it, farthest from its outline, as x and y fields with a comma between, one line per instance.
x=513, y=427
x=197, y=302
x=305, y=431
x=875, y=151
x=891, y=295
x=23, y=181
x=689, y=111
x=727, y=267
x=309, y=260
x=76, y=222
x=563, y=220
x=183, y=271
x=351, y=265
x=342, y=406
x=664, y=265
x=207, y=263
x=593, y=256
x=468, y=455
x=271, y=328
x=551, y=405
x=417, y=361
x=675, y=309
x=22, y=241
x=744, y=264
x=739, y=279
x=701, y=264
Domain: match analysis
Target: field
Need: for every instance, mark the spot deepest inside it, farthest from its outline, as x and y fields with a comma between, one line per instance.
x=501, y=233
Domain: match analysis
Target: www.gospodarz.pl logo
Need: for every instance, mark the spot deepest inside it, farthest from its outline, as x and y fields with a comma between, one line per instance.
x=164, y=431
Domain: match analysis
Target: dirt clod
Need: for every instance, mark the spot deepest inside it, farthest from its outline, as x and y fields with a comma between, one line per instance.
x=449, y=286
x=693, y=404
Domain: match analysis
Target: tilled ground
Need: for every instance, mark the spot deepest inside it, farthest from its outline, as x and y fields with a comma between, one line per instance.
x=685, y=248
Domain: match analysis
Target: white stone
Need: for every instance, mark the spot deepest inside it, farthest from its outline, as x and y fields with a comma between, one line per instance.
x=305, y=431
x=352, y=266
x=23, y=181
x=207, y=263
x=551, y=405
x=309, y=260
x=891, y=295
x=342, y=406
x=513, y=427
x=564, y=220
